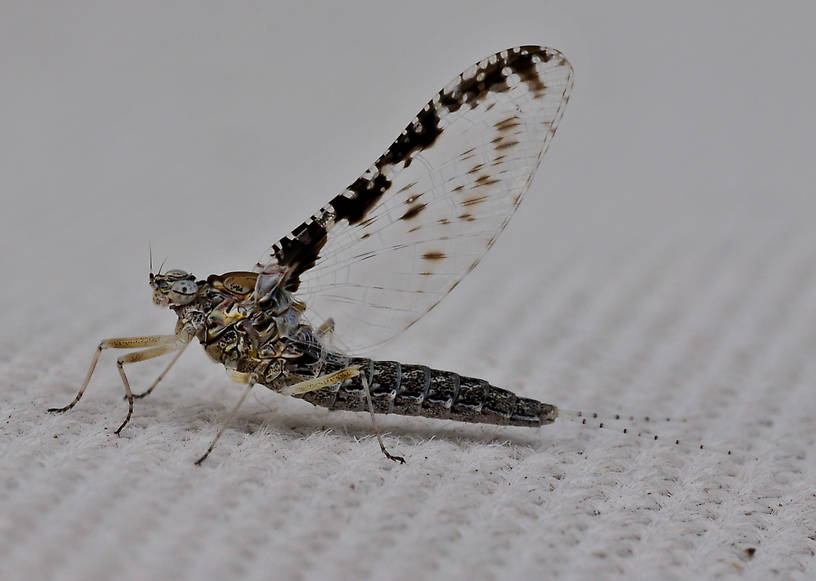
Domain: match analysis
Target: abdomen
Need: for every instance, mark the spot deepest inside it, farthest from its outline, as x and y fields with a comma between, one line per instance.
x=417, y=390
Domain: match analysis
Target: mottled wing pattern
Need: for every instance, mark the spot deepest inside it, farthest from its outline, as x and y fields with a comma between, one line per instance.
x=386, y=250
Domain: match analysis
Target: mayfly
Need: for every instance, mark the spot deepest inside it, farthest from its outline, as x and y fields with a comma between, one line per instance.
x=376, y=258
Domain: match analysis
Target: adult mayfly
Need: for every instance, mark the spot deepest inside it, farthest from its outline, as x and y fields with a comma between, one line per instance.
x=378, y=257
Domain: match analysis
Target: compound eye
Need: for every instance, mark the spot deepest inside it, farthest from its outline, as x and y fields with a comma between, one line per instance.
x=183, y=291
x=176, y=273
x=162, y=284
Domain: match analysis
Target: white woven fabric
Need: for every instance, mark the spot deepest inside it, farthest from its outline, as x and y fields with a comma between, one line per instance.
x=664, y=264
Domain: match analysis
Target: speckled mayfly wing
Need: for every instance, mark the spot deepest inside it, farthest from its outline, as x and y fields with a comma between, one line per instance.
x=392, y=245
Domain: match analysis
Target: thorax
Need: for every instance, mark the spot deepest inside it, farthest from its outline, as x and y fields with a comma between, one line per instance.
x=246, y=335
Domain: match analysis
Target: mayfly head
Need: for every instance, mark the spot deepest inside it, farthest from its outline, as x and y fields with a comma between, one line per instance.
x=174, y=288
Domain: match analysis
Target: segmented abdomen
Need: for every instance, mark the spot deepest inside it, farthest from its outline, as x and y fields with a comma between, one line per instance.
x=417, y=390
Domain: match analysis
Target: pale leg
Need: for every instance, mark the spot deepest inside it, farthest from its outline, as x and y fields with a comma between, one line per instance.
x=143, y=355
x=118, y=343
x=229, y=419
x=321, y=381
x=163, y=373
x=399, y=459
x=330, y=379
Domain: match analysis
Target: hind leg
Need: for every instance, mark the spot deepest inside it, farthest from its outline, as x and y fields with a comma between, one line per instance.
x=388, y=455
x=321, y=381
x=330, y=379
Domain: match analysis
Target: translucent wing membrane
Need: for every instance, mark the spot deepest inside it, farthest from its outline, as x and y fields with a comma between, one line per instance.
x=391, y=246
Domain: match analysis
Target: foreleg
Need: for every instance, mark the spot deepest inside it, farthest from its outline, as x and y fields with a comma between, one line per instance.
x=118, y=343
x=143, y=355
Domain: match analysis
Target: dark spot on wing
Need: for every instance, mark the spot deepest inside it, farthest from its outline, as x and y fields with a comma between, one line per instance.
x=451, y=101
x=476, y=200
x=367, y=191
x=471, y=91
x=300, y=251
x=507, y=124
x=465, y=155
x=434, y=255
x=484, y=180
x=408, y=187
x=368, y=222
x=483, y=183
x=413, y=211
x=490, y=77
x=467, y=217
x=524, y=67
x=476, y=168
x=417, y=136
x=366, y=235
x=458, y=188
x=507, y=144
x=444, y=221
